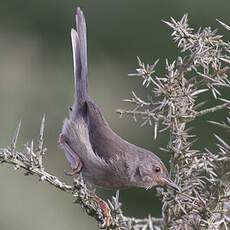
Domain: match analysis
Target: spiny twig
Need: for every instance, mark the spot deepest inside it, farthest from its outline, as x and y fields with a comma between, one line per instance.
x=158, y=117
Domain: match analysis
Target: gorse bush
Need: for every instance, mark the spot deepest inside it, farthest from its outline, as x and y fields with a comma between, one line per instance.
x=203, y=176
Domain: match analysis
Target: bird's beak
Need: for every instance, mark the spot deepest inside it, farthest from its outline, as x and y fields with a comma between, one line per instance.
x=170, y=183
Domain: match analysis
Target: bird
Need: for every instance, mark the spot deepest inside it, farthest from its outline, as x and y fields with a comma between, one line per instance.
x=91, y=147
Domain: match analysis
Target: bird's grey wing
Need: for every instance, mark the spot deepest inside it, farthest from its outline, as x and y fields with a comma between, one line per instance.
x=75, y=140
x=104, y=141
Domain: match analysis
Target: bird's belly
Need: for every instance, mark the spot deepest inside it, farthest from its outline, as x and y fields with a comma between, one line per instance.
x=106, y=180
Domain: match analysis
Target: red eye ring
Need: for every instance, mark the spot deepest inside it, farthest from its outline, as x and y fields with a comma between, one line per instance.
x=157, y=169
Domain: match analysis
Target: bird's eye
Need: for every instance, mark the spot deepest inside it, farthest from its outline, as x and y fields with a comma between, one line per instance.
x=157, y=169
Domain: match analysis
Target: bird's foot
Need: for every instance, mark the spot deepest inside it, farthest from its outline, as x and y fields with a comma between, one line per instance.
x=75, y=170
x=106, y=212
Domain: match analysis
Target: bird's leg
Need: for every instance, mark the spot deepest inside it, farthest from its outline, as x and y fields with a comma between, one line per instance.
x=105, y=211
x=76, y=169
x=72, y=157
x=92, y=199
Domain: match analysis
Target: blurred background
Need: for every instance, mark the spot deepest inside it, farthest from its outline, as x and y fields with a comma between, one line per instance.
x=36, y=78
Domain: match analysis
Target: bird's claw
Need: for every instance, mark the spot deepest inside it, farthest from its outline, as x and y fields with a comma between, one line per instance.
x=72, y=172
x=75, y=170
x=106, y=212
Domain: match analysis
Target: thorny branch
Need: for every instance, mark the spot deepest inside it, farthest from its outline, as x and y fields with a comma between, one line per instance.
x=202, y=175
x=159, y=117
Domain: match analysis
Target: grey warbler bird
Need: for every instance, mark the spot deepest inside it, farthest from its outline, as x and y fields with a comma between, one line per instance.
x=92, y=147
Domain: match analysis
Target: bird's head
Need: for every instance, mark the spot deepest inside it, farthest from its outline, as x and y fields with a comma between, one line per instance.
x=152, y=172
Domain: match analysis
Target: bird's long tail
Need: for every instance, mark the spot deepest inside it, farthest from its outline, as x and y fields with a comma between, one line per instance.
x=70, y=135
x=79, y=47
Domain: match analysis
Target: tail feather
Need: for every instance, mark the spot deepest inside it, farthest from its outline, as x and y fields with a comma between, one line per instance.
x=72, y=135
x=81, y=28
x=79, y=47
